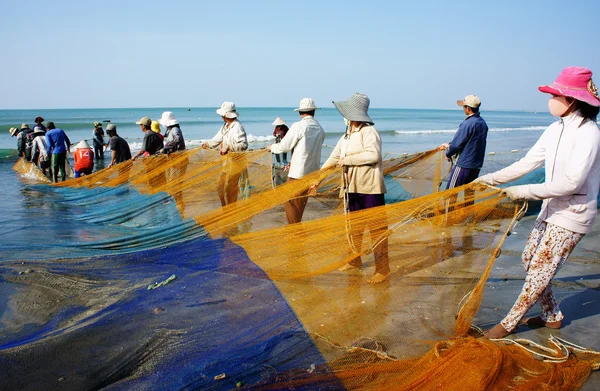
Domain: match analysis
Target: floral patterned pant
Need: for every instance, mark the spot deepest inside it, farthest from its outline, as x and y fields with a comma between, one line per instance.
x=547, y=248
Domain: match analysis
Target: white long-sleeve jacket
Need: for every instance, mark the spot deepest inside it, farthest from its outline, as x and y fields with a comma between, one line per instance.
x=305, y=137
x=570, y=151
x=232, y=136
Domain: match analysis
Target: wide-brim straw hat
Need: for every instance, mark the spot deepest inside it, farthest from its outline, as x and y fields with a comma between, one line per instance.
x=306, y=104
x=13, y=131
x=167, y=119
x=227, y=110
x=574, y=82
x=24, y=126
x=355, y=109
x=83, y=145
x=278, y=121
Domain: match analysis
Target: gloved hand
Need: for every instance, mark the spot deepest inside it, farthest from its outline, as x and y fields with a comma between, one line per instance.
x=484, y=180
x=511, y=193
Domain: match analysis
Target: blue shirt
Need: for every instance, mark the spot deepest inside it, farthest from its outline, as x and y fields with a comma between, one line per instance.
x=469, y=142
x=57, y=141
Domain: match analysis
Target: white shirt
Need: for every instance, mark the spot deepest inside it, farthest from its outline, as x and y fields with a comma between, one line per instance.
x=305, y=137
x=571, y=156
x=39, y=143
x=232, y=136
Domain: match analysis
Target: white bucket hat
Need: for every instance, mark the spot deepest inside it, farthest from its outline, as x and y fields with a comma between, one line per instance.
x=167, y=119
x=83, y=145
x=227, y=110
x=306, y=104
x=356, y=108
x=278, y=121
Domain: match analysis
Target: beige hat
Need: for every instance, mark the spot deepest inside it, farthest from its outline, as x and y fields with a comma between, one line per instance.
x=278, y=121
x=306, y=104
x=144, y=121
x=83, y=145
x=228, y=110
x=24, y=126
x=12, y=131
x=470, y=100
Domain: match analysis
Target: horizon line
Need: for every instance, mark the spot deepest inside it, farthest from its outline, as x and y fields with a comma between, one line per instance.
x=260, y=107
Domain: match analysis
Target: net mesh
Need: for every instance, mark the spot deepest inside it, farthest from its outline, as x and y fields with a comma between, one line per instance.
x=180, y=272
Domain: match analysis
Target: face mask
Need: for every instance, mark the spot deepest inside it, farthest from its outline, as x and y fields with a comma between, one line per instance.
x=558, y=106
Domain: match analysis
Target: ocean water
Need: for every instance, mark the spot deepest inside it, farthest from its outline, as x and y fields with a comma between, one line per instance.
x=402, y=130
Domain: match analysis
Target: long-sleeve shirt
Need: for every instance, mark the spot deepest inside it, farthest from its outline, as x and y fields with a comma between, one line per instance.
x=305, y=137
x=57, y=141
x=469, y=142
x=232, y=136
x=571, y=156
x=22, y=141
x=98, y=138
x=174, y=140
x=363, y=162
x=39, y=151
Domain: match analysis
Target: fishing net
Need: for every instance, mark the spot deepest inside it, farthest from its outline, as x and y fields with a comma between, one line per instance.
x=180, y=272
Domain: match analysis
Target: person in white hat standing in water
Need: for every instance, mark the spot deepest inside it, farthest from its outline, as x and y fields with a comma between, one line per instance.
x=358, y=153
x=230, y=138
x=570, y=152
x=279, y=133
x=305, y=137
x=84, y=159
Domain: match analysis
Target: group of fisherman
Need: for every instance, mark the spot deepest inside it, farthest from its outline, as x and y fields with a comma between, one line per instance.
x=569, y=149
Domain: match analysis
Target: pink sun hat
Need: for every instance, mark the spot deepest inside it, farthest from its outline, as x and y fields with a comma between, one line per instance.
x=574, y=82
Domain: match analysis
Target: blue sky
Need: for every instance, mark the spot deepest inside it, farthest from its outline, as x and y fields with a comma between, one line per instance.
x=418, y=54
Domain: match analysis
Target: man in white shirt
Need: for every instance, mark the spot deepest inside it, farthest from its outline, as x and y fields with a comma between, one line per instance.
x=305, y=138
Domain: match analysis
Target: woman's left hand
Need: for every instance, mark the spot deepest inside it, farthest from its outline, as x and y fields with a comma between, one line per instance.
x=340, y=162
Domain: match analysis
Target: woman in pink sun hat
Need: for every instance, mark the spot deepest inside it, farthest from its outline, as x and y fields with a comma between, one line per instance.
x=570, y=152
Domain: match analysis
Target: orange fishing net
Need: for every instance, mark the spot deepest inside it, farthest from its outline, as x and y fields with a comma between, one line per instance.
x=411, y=332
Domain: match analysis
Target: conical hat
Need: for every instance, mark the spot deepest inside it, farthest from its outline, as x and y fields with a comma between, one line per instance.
x=82, y=145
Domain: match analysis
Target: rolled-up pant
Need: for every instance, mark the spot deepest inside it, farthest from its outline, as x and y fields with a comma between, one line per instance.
x=548, y=247
x=377, y=229
x=58, y=163
x=99, y=151
x=294, y=208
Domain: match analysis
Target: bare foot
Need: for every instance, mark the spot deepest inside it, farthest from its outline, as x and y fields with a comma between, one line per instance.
x=348, y=266
x=378, y=278
x=539, y=322
x=496, y=332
